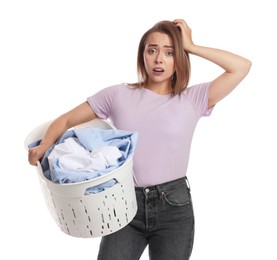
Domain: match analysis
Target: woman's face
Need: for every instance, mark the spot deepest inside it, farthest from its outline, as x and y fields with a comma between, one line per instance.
x=159, y=59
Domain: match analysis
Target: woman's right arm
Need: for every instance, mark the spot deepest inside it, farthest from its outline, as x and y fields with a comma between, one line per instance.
x=78, y=115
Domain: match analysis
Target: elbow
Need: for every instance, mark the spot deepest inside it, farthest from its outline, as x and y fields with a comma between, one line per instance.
x=247, y=66
x=243, y=68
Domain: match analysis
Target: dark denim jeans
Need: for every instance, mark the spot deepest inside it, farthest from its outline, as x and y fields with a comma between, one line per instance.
x=164, y=222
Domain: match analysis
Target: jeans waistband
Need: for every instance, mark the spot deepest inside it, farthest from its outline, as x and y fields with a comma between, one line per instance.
x=165, y=186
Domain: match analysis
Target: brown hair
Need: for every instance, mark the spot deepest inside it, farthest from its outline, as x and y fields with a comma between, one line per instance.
x=181, y=76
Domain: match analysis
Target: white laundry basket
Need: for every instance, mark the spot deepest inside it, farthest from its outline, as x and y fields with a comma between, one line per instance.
x=92, y=215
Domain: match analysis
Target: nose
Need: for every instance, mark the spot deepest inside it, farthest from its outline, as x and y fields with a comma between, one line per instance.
x=158, y=58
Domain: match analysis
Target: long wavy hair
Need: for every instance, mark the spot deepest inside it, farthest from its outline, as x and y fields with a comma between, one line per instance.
x=181, y=76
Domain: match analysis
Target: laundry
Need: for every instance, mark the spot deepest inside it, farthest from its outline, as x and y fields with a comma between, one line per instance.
x=71, y=156
x=86, y=153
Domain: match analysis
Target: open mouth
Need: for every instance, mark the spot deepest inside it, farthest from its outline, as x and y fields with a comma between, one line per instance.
x=158, y=70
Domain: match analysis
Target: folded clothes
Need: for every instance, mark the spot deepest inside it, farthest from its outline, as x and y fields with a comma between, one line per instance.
x=86, y=153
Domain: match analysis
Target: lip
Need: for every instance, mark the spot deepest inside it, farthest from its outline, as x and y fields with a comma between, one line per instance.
x=158, y=71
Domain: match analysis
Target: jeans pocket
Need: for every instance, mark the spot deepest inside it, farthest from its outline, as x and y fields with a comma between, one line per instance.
x=179, y=196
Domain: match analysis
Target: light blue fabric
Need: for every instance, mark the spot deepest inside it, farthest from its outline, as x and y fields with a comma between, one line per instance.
x=91, y=138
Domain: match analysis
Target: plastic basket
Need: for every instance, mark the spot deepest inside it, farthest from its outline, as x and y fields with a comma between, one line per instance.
x=92, y=215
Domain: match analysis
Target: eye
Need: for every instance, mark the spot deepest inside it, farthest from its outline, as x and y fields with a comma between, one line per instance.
x=169, y=53
x=151, y=51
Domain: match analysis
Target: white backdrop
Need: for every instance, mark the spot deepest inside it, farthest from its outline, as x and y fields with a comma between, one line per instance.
x=54, y=54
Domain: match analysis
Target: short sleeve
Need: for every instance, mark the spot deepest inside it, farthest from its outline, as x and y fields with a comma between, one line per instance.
x=101, y=101
x=198, y=96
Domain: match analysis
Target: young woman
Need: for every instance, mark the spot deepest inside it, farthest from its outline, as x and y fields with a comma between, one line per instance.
x=165, y=112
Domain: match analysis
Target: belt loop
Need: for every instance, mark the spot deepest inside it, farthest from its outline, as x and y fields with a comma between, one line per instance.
x=187, y=182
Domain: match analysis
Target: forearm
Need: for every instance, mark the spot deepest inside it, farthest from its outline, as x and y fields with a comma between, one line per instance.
x=76, y=116
x=230, y=62
x=54, y=131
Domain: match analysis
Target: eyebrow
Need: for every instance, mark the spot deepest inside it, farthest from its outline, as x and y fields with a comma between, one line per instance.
x=155, y=45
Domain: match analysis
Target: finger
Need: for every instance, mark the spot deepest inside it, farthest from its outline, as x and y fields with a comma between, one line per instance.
x=178, y=20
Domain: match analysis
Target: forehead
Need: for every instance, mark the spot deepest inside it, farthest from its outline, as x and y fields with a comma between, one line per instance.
x=159, y=39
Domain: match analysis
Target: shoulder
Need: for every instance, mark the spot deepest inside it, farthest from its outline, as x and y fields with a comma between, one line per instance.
x=121, y=87
x=198, y=95
x=198, y=87
x=196, y=90
x=111, y=90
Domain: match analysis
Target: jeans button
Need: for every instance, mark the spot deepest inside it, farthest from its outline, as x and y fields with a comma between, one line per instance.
x=146, y=190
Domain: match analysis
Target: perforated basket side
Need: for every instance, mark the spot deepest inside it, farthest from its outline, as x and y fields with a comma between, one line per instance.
x=93, y=215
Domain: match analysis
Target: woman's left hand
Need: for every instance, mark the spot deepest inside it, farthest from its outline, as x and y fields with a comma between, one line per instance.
x=186, y=34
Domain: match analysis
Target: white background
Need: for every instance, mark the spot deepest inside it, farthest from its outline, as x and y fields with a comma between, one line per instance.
x=54, y=54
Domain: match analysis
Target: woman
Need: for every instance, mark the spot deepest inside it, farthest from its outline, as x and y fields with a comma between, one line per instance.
x=165, y=112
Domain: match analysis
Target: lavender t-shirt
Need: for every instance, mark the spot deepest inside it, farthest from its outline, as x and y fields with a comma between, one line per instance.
x=165, y=125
